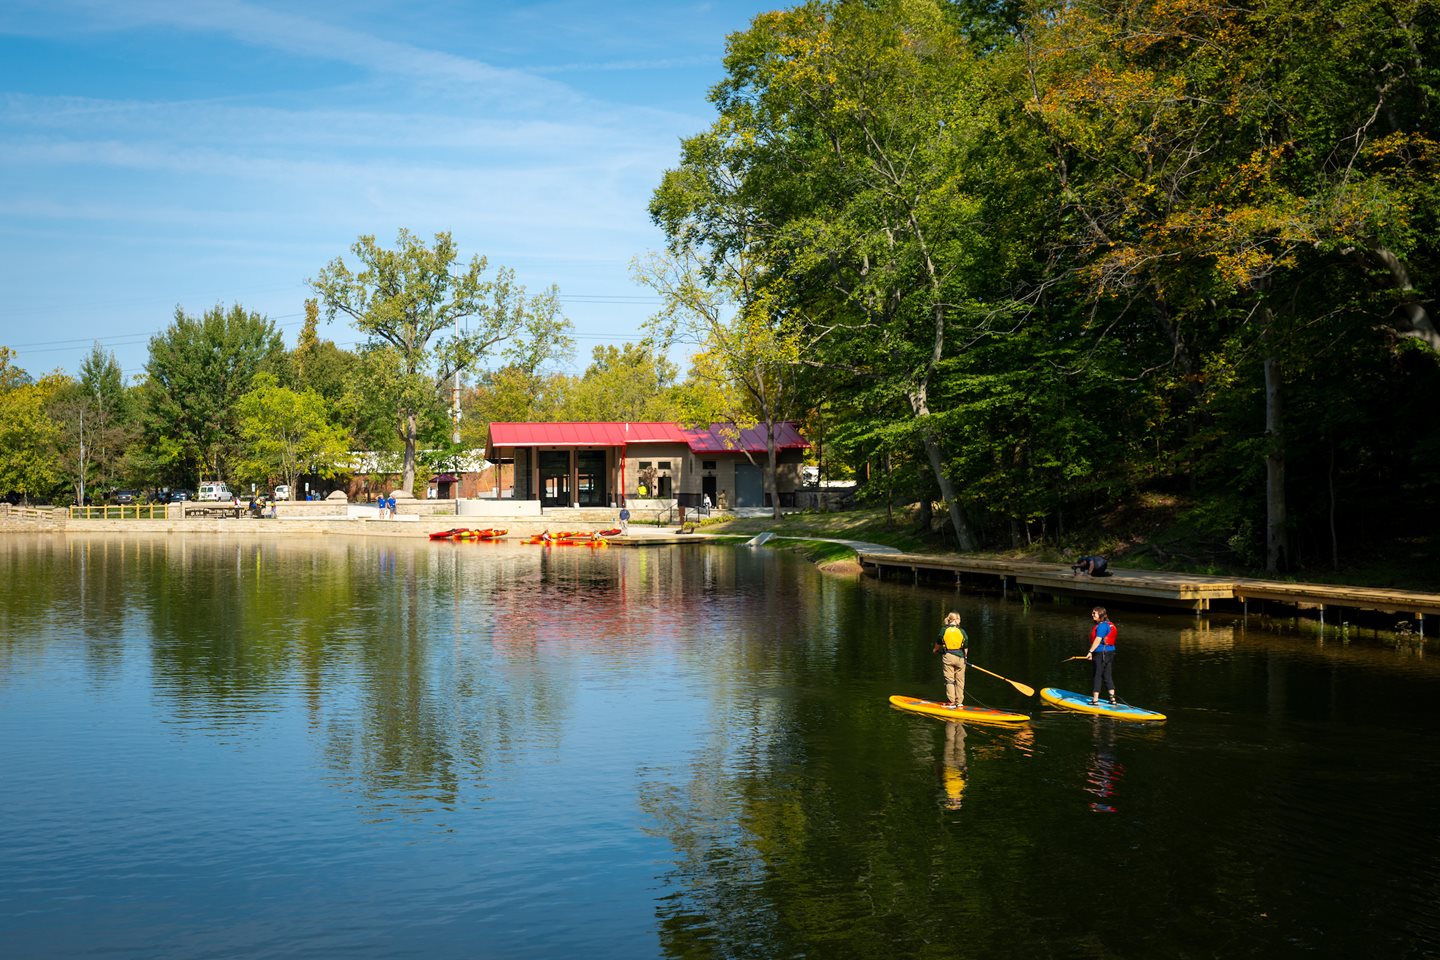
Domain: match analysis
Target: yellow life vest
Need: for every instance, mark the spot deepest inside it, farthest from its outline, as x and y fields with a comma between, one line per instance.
x=954, y=639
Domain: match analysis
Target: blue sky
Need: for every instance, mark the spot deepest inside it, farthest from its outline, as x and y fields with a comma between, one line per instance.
x=156, y=153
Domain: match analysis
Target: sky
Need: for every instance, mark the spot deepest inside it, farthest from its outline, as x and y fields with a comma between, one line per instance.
x=156, y=154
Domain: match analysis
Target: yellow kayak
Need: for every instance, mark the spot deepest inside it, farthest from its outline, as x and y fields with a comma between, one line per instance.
x=974, y=714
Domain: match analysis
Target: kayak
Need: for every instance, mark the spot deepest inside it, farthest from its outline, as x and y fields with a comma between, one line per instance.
x=975, y=714
x=487, y=534
x=612, y=532
x=1070, y=700
x=452, y=533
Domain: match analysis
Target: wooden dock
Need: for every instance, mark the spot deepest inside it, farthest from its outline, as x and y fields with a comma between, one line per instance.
x=1186, y=590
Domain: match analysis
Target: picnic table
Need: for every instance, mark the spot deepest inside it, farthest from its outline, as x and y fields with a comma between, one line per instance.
x=217, y=510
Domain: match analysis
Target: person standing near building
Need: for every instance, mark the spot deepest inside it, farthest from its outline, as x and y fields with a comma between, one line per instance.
x=625, y=521
x=1102, y=652
x=953, y=645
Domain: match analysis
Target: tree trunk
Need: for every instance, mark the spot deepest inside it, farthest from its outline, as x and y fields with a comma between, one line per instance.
x=772, y=471
x=963, y=536
x=1277, y=554
x=1418, y=322
x=407, y=479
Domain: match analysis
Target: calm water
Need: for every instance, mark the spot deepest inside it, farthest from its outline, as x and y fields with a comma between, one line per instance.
x=353, y=748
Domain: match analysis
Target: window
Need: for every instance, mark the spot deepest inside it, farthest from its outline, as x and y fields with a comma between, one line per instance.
x=645, y=464
x=664, y=464
x=707, y=464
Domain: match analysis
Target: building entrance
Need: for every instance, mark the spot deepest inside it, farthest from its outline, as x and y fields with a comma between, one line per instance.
x=592, y=488
x=555, y=478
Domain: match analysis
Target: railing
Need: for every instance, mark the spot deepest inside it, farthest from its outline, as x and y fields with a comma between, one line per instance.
x=21, y=514
x=136, y=511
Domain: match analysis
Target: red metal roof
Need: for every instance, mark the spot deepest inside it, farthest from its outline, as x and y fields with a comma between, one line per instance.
x=719, y=438
x=724, y=438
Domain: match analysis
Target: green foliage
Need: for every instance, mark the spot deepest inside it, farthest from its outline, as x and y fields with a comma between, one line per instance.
x=198, y=370
x=1037, y=257
x=30, y=463
x=286, y=433
x=411, y=303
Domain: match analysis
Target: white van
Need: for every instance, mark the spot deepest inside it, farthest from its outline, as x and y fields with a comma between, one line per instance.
x=282, y=491
x=214, y=490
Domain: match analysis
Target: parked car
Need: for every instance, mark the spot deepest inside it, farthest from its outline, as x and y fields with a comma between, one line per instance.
x=282, y=491
x=214, y=490
x=123, y=497
x=180, y=496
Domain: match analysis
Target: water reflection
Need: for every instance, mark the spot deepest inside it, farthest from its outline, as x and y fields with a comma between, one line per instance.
x=952, y=770
x=1105, y=771
x=381, y=748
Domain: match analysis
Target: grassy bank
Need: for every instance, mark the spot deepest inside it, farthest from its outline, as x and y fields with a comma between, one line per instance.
x=1144, y=536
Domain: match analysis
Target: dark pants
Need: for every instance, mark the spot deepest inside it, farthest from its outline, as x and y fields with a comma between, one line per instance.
x=1104, y=670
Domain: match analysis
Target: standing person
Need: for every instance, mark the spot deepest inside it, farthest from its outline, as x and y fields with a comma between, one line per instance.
x=1102, y=652
x=953, y=645
x=625, y=521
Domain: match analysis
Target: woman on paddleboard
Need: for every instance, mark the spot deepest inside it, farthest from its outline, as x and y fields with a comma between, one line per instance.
x=1102, y=652
x=953, y=645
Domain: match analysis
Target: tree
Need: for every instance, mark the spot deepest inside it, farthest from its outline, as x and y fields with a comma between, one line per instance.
x=749, y=357
x=95, y=419
x=198, y=370
x=30, y=462
x=633, y=381
x=849, y=163
x=287, y=433
x=402, y=299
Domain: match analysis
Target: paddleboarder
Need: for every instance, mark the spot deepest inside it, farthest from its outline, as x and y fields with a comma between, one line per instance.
x=1102, y=652
x=953, y=645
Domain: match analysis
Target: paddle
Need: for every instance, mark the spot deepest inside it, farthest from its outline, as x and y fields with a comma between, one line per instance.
x=1028, y=691
x=1068, y=659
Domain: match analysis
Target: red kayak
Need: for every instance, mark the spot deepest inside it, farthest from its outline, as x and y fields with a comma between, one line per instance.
x=451, y=534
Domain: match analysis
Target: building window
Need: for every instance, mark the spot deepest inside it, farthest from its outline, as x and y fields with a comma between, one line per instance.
x=664, y=464
x=645, y=464
x=707, y=464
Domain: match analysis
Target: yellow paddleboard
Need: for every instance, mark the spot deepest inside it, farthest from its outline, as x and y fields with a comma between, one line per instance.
x=974, y=714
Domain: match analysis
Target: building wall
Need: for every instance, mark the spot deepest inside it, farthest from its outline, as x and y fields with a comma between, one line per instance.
x=688, y=470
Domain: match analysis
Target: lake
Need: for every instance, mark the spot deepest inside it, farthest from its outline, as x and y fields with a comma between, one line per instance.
x=354, y=747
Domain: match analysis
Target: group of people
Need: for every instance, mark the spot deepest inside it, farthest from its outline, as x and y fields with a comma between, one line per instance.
x=953, y=645
x=387, y=506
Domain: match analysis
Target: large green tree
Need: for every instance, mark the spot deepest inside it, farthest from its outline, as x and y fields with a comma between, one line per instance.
x=198, y=370
x=286, y=433
x=30, y=438
x=429, y=318
x=96, y=419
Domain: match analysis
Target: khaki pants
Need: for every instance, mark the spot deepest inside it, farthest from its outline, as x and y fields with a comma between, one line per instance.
x=954, y=668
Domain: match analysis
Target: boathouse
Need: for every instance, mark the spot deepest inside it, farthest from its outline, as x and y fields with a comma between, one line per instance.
x=608, y=464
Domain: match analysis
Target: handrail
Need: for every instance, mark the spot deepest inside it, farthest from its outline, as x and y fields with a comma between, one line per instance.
x=136, y=511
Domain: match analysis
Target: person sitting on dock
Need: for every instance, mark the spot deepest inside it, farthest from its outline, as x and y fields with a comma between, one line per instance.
x=1091, y=566
x=952, y=645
